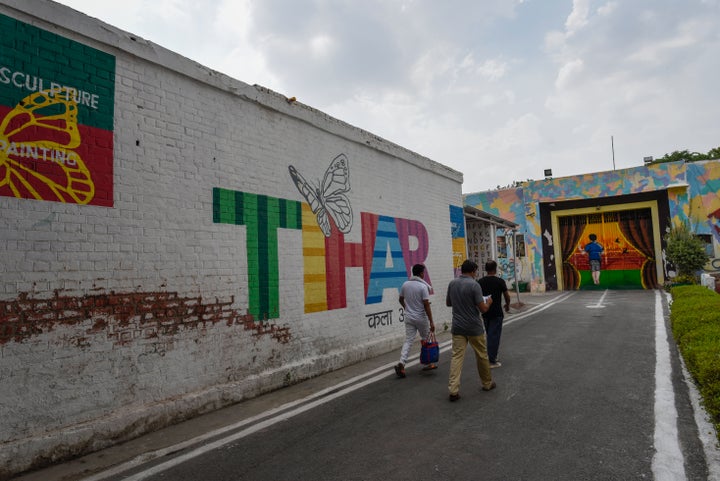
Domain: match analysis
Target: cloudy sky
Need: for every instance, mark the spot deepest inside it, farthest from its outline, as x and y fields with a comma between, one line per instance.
x=497, y=89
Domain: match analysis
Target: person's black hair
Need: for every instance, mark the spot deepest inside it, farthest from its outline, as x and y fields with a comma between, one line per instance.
x=418, y=269
x=593, y=237
x=491, y=266
x=468, y=266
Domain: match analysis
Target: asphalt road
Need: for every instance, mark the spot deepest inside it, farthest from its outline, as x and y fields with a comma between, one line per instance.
x=577, y=399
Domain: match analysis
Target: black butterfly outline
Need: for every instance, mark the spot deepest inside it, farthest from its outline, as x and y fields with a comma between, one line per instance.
x=330, y=197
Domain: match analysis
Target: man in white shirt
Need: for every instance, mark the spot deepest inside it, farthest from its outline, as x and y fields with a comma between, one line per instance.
x=415, y=300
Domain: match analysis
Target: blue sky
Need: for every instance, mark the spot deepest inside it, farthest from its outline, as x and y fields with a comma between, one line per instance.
x=497, y=89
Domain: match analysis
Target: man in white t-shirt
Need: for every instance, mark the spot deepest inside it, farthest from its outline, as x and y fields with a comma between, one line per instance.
x=415, y=300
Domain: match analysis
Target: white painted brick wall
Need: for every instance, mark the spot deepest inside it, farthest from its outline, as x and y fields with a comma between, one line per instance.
x=180, y=131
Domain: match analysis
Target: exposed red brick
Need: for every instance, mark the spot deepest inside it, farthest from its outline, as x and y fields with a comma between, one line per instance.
x=125, y=317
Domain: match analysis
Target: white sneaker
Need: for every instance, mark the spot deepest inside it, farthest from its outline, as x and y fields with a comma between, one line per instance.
x=493, y=365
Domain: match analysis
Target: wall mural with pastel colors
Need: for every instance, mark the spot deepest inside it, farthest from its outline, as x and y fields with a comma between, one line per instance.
x=692, y=191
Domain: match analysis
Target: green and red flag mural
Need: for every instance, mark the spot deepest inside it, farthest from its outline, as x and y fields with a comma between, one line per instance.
x=56, y=117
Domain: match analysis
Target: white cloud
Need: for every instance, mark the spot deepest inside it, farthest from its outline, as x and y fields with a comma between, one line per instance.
x=608, y=8
x=321, y=45
x=688, y=34
x=512, y=87
x=578, y=18
x=567, y=72
x=492, y=69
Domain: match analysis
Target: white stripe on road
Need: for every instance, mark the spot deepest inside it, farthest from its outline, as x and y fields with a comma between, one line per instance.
x=539, y=308
x=273, y=416
x=599, y=304
x=668, y=463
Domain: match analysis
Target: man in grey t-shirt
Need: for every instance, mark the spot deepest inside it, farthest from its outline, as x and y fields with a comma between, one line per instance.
x=466, y=298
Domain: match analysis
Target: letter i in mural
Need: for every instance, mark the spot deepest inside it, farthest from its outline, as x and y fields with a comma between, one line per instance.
x=56, y=109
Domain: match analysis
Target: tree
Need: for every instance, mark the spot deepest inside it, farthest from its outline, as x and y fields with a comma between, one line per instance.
x=687, y=156
x=686, y=251
x=684, y=155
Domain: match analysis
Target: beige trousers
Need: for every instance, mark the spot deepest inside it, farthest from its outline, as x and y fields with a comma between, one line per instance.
x=459, y=345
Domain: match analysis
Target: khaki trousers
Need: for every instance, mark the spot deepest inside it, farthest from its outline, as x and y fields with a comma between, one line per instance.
x=459, y=345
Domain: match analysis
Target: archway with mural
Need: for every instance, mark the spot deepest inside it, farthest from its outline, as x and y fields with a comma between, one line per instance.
x=630, y=246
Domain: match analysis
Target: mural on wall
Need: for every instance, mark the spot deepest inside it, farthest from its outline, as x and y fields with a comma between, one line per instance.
x=57, y=109
x=457, y=232
x=628, y=258
x=479, y=242
x=328, y=200
x=262, y=216
x=390, y=246
x=703, y=179
x=509, y=266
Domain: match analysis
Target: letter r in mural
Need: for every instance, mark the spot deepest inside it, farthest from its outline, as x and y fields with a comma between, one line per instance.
x=56, y=109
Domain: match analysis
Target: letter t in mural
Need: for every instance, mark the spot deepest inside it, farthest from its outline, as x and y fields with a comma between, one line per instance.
x=56, y=109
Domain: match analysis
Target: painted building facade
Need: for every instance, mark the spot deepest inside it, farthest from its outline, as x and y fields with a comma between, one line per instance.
x=174, y=240
x=629, y=211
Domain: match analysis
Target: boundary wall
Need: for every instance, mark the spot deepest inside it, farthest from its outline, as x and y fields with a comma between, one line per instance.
x=174, y=240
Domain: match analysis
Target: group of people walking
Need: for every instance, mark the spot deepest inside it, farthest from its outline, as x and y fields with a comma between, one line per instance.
x=477, y=317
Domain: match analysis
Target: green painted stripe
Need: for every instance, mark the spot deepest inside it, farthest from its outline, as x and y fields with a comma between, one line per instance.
x=37, y=54
x=262, y=220
x=273, y=264
x=238, y=204
x=223, y=206
x=250, y=215
x=283, y=213
x=293, y=218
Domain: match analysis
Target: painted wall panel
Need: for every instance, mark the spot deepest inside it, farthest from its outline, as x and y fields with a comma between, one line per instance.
x=234, y=243
x=56, y=111
x=693, y=190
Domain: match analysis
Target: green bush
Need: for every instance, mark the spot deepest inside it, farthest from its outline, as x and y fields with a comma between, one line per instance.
x=686, y=251
x=695, y=320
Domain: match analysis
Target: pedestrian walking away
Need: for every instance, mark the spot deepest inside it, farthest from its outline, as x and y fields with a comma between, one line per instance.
x=415, y=301
x=495, y=287
x=465, y=296
x=593, y=249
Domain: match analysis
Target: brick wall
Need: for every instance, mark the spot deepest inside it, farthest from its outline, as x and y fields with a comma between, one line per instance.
x=174, y=240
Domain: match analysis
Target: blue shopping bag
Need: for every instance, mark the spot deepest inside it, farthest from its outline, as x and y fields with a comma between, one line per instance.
x=429, y=350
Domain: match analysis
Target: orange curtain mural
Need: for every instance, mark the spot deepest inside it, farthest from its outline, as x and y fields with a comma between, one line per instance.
x=571, y=230
x=636, y=226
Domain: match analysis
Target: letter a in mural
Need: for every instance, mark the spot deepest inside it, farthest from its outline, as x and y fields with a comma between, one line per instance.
x=329, y=200
x=56, y=117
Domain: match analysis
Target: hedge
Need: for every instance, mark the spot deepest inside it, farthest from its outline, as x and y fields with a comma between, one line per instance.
x=695, y=320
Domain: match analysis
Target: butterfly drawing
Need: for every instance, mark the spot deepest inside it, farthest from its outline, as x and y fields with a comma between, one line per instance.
x=328, y=200
x=38, y=160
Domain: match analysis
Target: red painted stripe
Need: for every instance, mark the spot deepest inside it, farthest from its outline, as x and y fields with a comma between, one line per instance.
x=335, y=269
